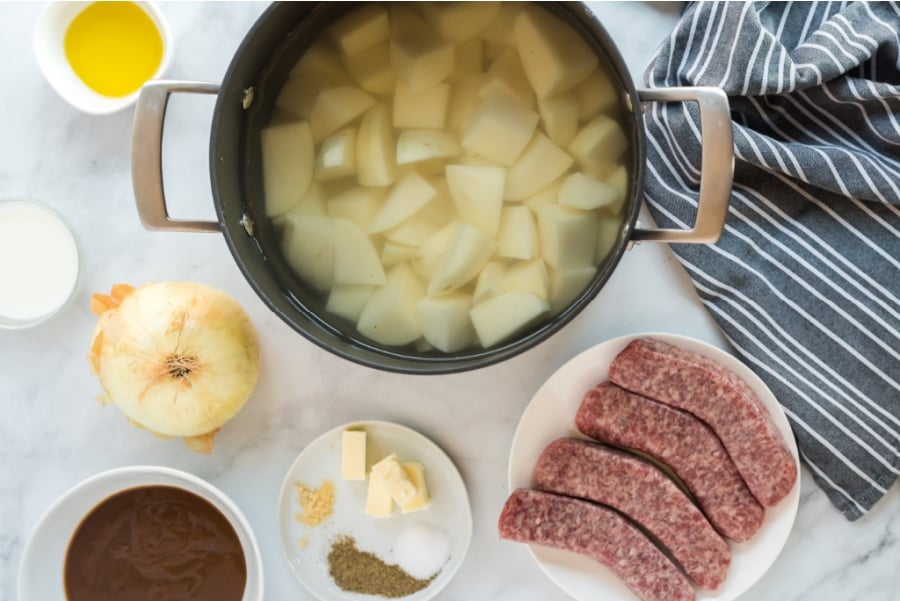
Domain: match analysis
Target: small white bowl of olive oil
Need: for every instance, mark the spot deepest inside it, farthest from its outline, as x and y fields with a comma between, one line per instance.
x=97, y=55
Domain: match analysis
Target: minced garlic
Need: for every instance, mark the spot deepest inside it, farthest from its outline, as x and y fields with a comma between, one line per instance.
x=316, y=503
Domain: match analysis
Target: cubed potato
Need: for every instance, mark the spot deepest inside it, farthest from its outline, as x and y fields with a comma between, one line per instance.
x=298, y=94
x=372, y=70
x=527, y=276
x=464, y=102
x=355, y=258
x=541, y=163
x=394, y=254
x=598, y=146
x=445, y=321
x=441, y=209
x=459, y=21
x=543, y=197
x=418, y=145
x=518, y=238
x=423, y=109
x=568, y=237
x=506, y=75
x=499, y=32
x=477, y=193
x=503, y=316
x=489, y=281
x=337, y=155
x=409, y=194
x=348, y=300
x=287, y=157
x=468, y=60
x=619, y=182
x=566, y=286
x=426, y=168
x=376, y=163
x=390, y=316
x=312, y=203
x=420, y=58
x=412, y=232
x=559, y=117
x=596, y=94
x=608, y=229
x=336, y=107
x=500, y=128
x=580, y=191
x=468, y=251
x=358, y=204
x=553, y=54
x=308, y=246
x=432, y=250
x=360, y=29
x=322, y=57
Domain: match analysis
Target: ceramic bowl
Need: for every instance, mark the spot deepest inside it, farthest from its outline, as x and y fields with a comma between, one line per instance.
x=48, y=39
x=43, y=559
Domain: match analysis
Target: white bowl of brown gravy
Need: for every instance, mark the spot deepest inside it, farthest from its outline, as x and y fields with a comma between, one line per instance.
x=130, y=532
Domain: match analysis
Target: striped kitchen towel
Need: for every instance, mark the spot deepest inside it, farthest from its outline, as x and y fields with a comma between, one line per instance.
x=805, y=279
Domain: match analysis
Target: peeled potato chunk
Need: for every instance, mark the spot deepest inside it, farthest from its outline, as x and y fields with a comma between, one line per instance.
x=432, y=250
x=336, y=107
x=517, y=238
x=394, y=254
x=445, y=321
x=299, y=93
x=348, y=300
x=468, y=59
x=308, y=246
x=598, y=145
x=568, y=237
x=360, y=29
x=500, y=128
x=337, y=155
x=506, y=75
x=287, y=156
x=355, y=258
x=559, y=116
x=420, y=58
x=412, y=232
x=459, y=21
x=580, y=191
x=322, y=57
x=502, y=316
x=596, y=94
x=409, y=194
x=372, y=69
x=499, y=32
x=389, y=316
x=357, y=204
x=418, y=145
x=375, y=161
x=541, y=163
x=527, y=276
x=468, y=250
x=423, y=109
x=489, y=280
x=555, y=58
x=619, y=182
x=477, y=193
x=608, y=227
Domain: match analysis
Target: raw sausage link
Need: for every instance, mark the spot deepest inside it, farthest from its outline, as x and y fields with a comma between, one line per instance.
x=684, y=444
x=541, y=518
x=577, y=468
x=720, y=398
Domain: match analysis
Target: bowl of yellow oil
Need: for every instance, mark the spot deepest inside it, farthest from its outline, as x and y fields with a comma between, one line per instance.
x=97, y=55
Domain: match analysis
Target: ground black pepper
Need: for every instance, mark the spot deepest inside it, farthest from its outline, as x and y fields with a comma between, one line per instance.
x=363, y=572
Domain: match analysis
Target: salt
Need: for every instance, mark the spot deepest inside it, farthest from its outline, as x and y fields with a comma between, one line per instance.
x=422, y=550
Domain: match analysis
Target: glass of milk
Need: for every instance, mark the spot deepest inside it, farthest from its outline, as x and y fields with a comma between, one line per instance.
x=39, y=263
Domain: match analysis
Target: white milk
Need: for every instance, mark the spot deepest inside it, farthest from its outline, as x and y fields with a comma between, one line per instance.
x=38, y=262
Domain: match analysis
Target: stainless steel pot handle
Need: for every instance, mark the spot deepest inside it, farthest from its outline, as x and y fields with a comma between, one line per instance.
x=146, y=155
x=717, y=164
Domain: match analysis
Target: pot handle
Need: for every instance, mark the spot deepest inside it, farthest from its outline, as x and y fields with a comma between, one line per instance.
x=717, y=164
x=146, y=155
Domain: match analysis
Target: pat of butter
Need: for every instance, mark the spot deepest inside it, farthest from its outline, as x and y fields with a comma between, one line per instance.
x=395, y=480
x=353, y=455
x=378, y=501
x=416, y=473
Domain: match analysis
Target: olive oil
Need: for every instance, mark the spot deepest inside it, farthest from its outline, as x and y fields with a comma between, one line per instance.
x=113, y=47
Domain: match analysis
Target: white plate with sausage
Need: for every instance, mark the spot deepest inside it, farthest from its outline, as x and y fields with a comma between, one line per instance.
x=551, y=415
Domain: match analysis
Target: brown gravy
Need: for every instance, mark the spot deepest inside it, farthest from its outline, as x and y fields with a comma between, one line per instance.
x=155, y=543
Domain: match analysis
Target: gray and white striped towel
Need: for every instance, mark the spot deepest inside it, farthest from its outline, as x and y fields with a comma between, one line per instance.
x=805, y=281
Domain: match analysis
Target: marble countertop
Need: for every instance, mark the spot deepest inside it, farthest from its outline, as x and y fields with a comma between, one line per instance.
x=53, y=434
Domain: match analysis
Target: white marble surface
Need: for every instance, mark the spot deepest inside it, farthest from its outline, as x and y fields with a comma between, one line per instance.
x=53, y=434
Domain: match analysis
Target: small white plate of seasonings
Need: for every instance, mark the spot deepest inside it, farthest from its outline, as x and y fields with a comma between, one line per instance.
x=339, y=552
